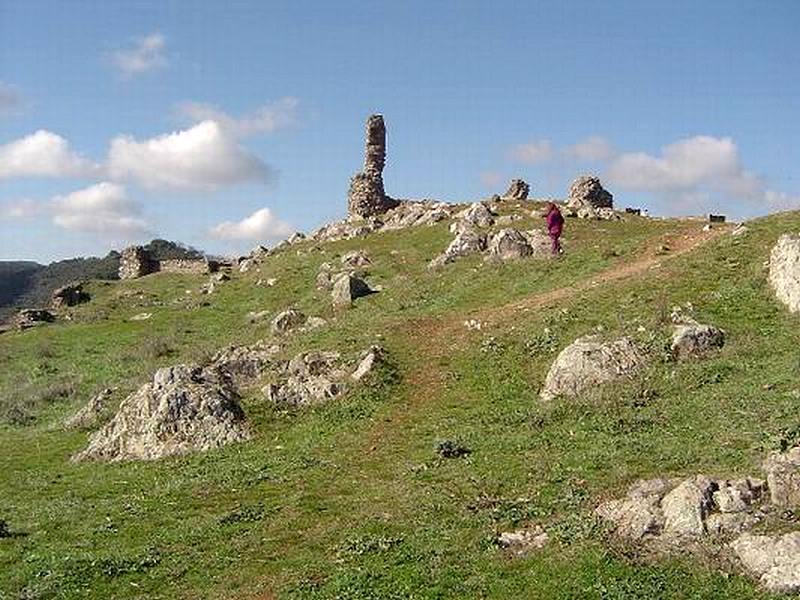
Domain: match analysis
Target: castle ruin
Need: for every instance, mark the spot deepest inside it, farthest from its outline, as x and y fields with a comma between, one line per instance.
x=367, y=197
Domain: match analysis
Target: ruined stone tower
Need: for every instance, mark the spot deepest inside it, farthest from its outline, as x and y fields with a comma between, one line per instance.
x=367, y=197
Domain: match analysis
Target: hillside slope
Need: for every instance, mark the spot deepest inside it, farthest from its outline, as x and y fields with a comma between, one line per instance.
x=349, y=499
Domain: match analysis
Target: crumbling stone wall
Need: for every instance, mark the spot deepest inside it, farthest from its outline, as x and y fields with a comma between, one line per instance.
x=367, y=197
x=135, y=262
x=184, y=265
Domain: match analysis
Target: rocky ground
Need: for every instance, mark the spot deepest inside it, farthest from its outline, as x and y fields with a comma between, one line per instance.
x=423, y=404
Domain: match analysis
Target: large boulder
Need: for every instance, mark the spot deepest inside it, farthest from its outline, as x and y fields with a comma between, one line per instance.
x=783, y=477
x=509, y=244
x=477, y=214
x=589, y=362
x=694, y=340
x=465, y=243
x=685, y=508
x=587, y=190
x=784, y=270
x=347, y=288
x=774, y=560
x=639, y=514
x=185, y=408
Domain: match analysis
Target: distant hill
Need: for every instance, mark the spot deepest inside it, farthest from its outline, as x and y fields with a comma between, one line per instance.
x=25, y=284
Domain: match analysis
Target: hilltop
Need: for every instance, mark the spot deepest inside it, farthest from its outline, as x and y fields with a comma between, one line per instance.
x=402, y=486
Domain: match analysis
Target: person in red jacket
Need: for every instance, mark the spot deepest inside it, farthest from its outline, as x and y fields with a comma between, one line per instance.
x=555, y=225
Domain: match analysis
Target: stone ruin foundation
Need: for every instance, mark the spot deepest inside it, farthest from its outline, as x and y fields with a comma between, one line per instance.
x=136, y=262
x=367, y=197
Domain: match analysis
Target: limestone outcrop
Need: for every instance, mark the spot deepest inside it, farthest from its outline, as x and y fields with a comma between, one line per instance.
x=185, y=408
x=784, y=270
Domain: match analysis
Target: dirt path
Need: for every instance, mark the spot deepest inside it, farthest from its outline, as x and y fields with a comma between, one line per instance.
x=436, y=338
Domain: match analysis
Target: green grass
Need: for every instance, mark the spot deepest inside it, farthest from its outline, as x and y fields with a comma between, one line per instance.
x=349, y=499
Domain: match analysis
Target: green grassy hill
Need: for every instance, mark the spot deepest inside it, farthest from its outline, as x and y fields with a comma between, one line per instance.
x=349, y=499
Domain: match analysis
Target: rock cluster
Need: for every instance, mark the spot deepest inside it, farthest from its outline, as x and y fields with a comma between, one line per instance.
x=518, y=190
x=675, y=513
x=315, y=377
x=409, y=213
x=184, y=408
x=244, y=364
x=589, y=362
x=33, y=317
x=69, y=295
x=784, y=270
x=367, y=197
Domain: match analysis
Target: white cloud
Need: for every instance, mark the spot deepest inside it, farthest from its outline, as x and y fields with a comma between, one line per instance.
x=201, y=158
x=594, y=148
x=693, y=170
x=102, y=208
x=532, y=153
x=10, y=100
x=261, y=225
x=145, y=54
x=43, y=154
x=269, y=118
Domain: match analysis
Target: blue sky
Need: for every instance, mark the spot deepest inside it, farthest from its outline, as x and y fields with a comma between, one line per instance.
x=227, y=124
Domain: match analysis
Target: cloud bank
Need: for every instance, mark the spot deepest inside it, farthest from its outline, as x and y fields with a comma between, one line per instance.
x=103, y=208
x=202, y=158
